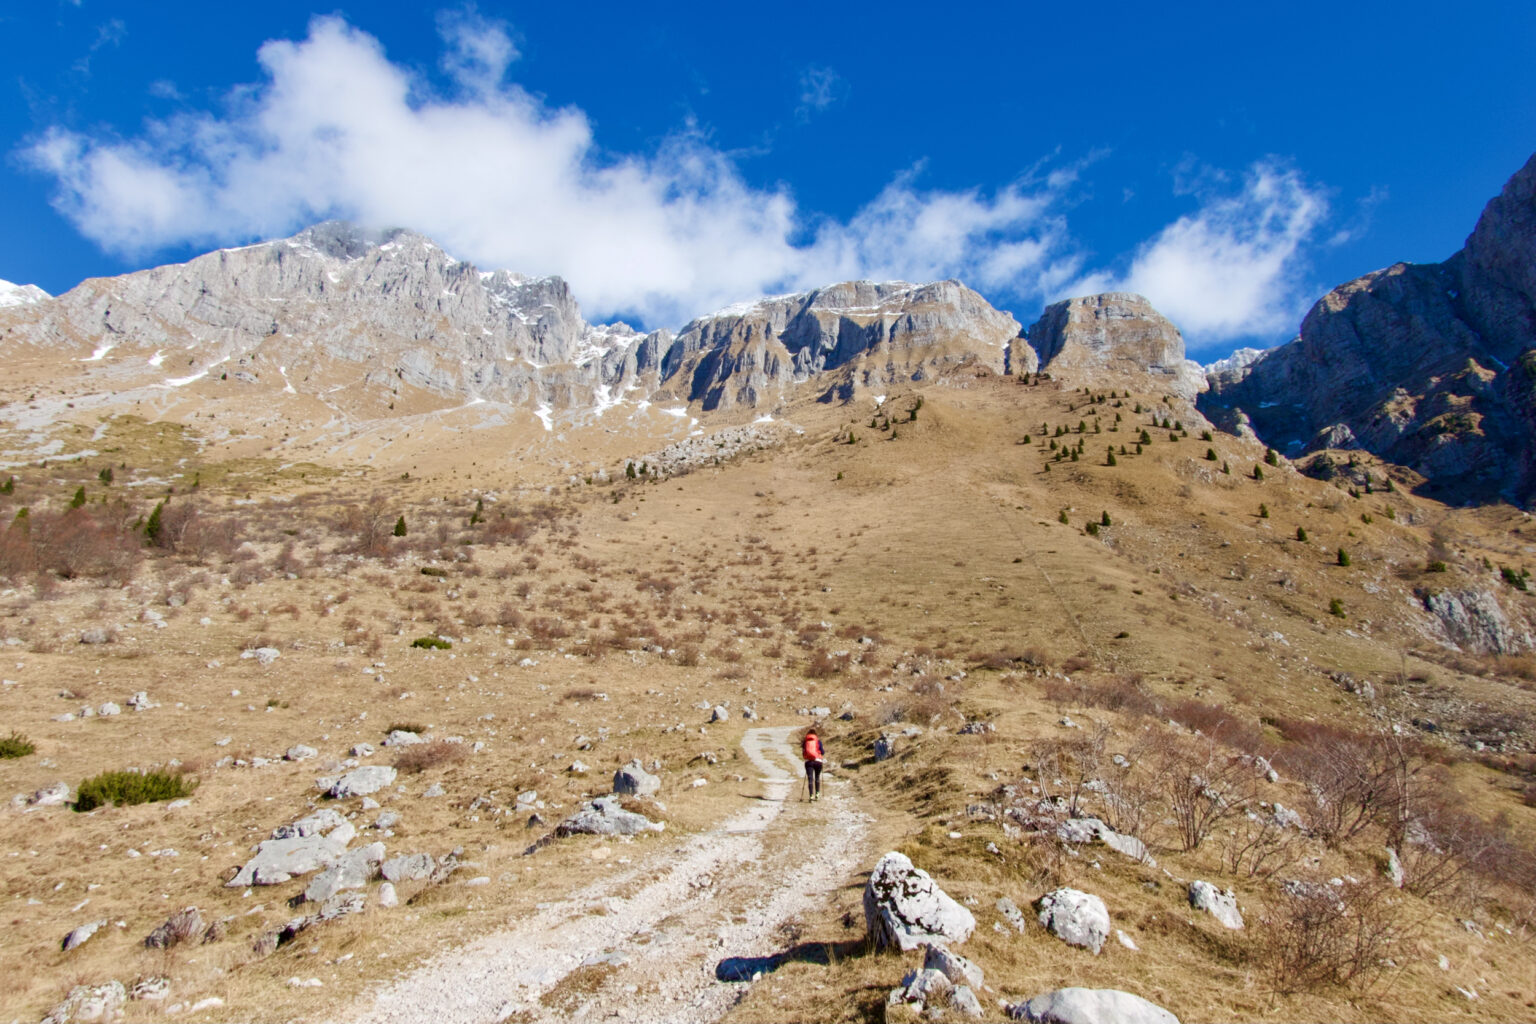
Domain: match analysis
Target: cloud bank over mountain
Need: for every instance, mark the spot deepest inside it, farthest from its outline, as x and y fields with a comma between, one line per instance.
x=502, y=178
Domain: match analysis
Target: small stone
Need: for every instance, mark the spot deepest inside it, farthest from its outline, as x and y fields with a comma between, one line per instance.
x=151, y=990
x=434, y=790
x=387, y=895
x=96, y=635
x=109, y=708
x=300, y=752
x=1220, y=905
x=362, y=750
x=80, y=934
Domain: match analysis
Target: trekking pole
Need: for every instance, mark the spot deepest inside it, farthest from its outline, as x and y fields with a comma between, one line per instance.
x=804, y=786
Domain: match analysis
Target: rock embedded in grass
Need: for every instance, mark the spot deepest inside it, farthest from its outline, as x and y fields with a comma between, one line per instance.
x=905, y=908
x=1089, y=1006
x=1075, y=917
x=634, y=780
x=1220, y=905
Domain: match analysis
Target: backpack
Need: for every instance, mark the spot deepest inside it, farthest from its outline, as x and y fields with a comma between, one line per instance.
x=811, y=747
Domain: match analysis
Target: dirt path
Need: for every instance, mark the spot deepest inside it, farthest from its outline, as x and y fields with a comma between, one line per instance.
x=653, y=955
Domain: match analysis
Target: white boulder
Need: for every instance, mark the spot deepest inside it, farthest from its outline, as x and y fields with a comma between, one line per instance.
x=905, y=908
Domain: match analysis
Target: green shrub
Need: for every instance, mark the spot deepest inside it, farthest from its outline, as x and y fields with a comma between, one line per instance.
x=1092, y=528
x=1210, y=455
x=1336, y=608
x=1436, y=566
x=400, y=527
x=1258, y=472
x=1271, y=457
x=1104, y=519
x=1343, y=557
x=431, y=643
x=430, y=570
x=15, y=745
x=417, y=728
x=122, y=789
x=1301, y=534
x=1515, y=579
x=1263, y=511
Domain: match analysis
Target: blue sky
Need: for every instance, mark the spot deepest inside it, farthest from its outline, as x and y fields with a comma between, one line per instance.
x=1231, y=161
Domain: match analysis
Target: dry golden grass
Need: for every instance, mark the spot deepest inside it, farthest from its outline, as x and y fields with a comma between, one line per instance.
x=635, y=603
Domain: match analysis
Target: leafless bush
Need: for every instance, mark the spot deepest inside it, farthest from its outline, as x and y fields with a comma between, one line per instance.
x=1219, y=723
x=1318, y=935
x=1354, y=779
x=418, y=757
x=1064, y=768
x=1260, y=844
x=822, y=665
x=1201, y=785
x=76, y=544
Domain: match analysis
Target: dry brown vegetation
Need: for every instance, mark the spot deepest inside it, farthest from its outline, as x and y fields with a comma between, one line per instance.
x=923, y=581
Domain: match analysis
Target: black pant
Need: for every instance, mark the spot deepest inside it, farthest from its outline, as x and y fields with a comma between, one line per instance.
x=813, y=776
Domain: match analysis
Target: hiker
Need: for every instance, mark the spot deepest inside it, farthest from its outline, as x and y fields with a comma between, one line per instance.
x=815, y=757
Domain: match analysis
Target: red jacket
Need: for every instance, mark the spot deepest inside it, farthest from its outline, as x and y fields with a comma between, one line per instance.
x=811, y=748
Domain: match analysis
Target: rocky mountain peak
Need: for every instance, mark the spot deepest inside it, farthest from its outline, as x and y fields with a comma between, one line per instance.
x=21, y=294
x=1114, y=337
x=1431, y=366
x=861, y=333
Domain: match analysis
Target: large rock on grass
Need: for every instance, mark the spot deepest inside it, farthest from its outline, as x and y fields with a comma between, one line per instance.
x=604, y=817
x=634, y=780
x=905, y=908
x=1090, y=1006
x=1220, y=905
x=278, y=860
x=358, y=782
x=1075, y=917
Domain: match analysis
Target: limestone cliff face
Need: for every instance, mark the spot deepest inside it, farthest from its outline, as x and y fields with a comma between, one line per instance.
x=337, y=307
x=1112, y=339
x=392, y=306
x=860, y=332
x=1429, y=366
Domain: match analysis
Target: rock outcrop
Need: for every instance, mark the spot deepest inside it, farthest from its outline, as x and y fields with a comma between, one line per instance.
x=354, y=317
x=1075, y=917
x=904, y=908
x=1112, y=340
x=1090, y=1006
x=858, y=333
x=1431, y=366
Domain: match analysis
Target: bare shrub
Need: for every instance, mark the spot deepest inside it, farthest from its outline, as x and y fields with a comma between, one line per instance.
x=1319, y=935
x=1201, y=785
x=1065, y=768
x=1354, y=779
x=1260, y=845
x=822, y=665
x=1219, y=723
x=76, y=544
x=418, y=757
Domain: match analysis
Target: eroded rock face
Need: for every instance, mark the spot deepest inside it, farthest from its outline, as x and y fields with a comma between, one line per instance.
x=905, y=908
x=859, y=332
x=1113, y=339
x=1431, y=366
x=1475, y=621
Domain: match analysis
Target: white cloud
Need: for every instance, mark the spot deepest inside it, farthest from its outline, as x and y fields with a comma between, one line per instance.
x=820, y=87
x=479, y=49
x=500, y=178
x=1234, y=267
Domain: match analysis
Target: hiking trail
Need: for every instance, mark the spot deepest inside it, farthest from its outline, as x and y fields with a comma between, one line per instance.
x=652, y=956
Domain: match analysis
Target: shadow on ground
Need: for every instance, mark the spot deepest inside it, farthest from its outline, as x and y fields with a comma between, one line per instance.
x=745, y=968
